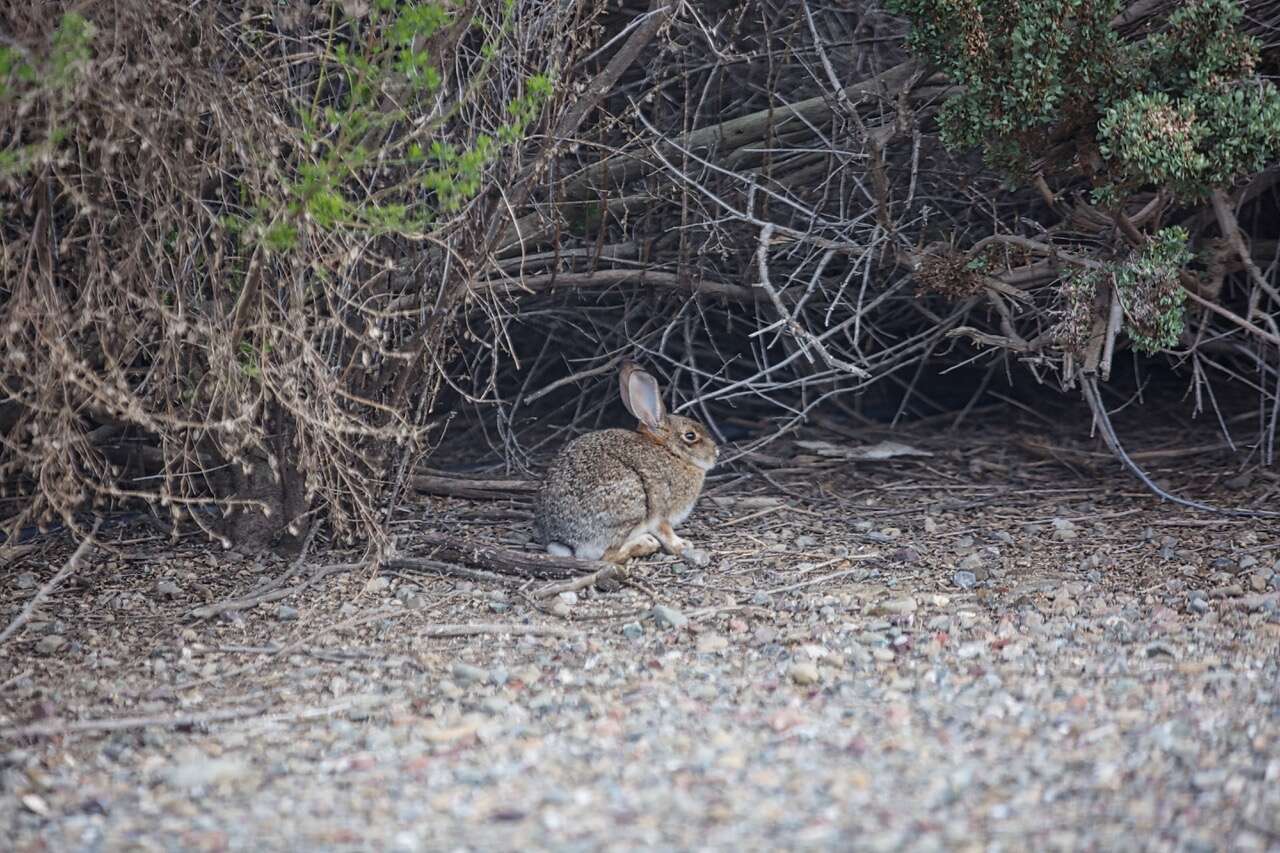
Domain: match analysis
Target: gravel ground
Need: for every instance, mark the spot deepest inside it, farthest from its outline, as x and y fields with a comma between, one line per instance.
x=986, y=648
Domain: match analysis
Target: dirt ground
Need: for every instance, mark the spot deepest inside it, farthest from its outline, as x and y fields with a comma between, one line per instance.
x=1003, y=645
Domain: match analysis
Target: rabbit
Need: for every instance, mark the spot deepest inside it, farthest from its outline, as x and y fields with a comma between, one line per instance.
x=615, y=494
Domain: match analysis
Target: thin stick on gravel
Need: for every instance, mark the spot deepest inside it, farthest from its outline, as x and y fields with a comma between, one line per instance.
x=54, y=582
x=58, y=727
x=493, y=558
x=272, y=592
x=480, y=628
x=606, y=574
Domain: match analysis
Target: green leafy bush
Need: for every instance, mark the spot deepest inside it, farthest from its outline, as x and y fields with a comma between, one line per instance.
x=1150, y=293
x=1181, y=109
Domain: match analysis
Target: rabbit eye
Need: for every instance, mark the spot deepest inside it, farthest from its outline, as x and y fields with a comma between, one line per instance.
x=691, y=436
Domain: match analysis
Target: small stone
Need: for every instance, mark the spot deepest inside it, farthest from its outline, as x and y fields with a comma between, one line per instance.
x=633, y=630
x=1064, y=530
x=1198, y=605
x=968, y=651
x=465, y=673
x=805, y=541
x=761, y=599
x=862, y=526
x=971, y=563
x=1248, y=561
x=570, y=598
x=285, y=613
x=168, y=589
x=898, y=606
x=696, y=557
x=1258, y=582
x=964, y=579
x=669, y=617
x=26, y=580
x=930, y=526
x=51, y=644
x=377, y=585
x=712, y=643
x=206, y=771
x=1239, y=482
x=764, y=635
x=804, y=672
x=882, y=654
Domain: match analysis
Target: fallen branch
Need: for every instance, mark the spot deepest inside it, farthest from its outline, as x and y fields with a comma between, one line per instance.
x=475, y=489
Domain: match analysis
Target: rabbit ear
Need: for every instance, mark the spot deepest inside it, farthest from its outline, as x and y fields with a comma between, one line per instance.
x=641, y=395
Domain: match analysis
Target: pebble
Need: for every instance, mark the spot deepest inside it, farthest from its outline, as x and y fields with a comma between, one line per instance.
x=804, y=672
x=377, y=584
x=26, y=580
x=971, y=563
x=669, y=617
x=466, y=673
x=898, y=606
x=761, y=599
x=764, y=635
x=633, y=630
x=805, y=541
x=204, y=771
x=964, y=579
x=51, y=644
x=1064, y=530
x=168, y=589
x=930, y=526
x=285, y=613
x=712, y=643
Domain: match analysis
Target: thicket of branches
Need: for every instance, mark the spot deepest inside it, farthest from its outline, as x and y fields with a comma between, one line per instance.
x=256, y=256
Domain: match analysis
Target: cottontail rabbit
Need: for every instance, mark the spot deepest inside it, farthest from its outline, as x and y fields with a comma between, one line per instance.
x=615, y=494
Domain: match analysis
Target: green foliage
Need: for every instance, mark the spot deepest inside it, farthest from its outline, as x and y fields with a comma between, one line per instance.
x=1075, y=323
x=376, y=119
x=1180, y=109
x=25, y=79
x=1150, y=293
